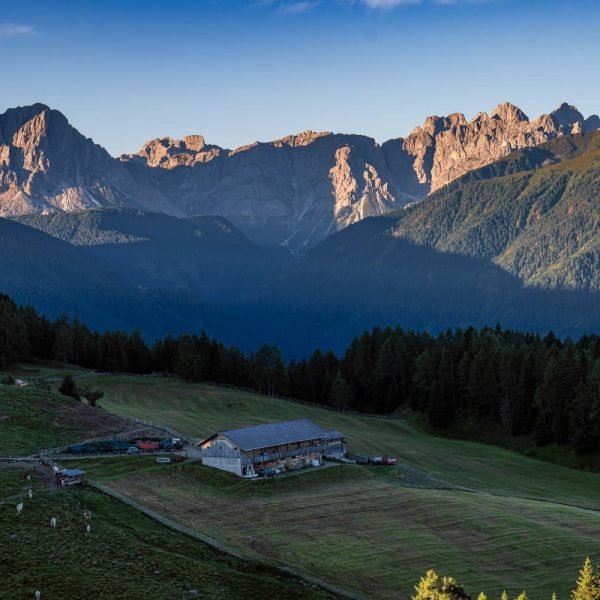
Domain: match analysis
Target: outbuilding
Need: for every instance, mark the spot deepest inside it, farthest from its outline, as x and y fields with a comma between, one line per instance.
x=71, y=477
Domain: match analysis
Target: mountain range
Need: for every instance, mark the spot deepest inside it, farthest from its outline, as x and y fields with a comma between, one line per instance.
x=515, y=240
x=294, y=191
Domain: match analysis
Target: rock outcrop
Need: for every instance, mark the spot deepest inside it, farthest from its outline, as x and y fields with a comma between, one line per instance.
x=47, y=165
x=446, y=148
x=293, y=191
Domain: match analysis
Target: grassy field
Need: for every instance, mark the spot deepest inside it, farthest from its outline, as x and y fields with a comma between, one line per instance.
x=126, y=555
x=491, y=518
x=31, y=419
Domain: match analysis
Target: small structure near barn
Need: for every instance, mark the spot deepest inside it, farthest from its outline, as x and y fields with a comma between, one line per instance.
x=69, y=477
x=287, y=445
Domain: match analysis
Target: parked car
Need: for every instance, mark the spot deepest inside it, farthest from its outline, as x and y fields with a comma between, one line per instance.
x=269, y=472
x=133, y=450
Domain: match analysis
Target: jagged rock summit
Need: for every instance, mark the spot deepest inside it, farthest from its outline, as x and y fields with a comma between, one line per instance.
x=445, y=148
x=293, y=191
x=47, y=165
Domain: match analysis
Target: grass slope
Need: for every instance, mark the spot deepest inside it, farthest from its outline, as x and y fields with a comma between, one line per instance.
x=126, y=555
x=525, y=524
x=31, y=419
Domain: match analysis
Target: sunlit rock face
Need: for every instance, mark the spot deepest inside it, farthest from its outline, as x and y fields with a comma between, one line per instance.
x=294, y=191
x=445, y=148
x=47, y=165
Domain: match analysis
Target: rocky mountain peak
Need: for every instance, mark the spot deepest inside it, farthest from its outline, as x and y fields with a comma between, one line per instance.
x=510, y=113
x=301, y=139
x=295, y=190
x=169, y=153
x=567, y=119
x=445, y=148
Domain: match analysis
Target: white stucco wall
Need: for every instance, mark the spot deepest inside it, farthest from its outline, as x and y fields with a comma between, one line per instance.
x=233, y=465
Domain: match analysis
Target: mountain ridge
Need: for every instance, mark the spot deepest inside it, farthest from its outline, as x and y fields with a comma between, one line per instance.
x=294, y=191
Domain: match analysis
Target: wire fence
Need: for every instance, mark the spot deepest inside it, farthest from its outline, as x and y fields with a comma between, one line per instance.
x=221, y=547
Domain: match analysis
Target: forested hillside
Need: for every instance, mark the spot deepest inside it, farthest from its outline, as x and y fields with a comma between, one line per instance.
x=521, y=382
x=205, y=256
x=535, y=214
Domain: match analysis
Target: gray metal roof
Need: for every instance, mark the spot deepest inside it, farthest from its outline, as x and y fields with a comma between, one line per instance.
x=334, y=434
x=72, y=472
x=274, y=434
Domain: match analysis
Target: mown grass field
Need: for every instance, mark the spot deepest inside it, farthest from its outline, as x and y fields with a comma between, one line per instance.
x=126, y=555
x=491, y=518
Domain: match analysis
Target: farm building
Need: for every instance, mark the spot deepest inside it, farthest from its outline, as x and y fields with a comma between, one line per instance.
x=286, y=445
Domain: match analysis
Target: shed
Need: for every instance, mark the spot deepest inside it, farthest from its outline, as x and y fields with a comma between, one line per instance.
x=71, y=477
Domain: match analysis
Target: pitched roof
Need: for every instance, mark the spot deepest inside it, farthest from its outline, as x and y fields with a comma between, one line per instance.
x=334, y=434
x=274, y=434
x=72, y=472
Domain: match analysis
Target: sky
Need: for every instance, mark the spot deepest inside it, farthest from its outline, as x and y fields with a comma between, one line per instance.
x=238, y=71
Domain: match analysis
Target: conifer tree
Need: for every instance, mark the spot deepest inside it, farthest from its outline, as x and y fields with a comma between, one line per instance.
x=341, y=393
x=588, y=583
x=68, y=388
x=432, y=587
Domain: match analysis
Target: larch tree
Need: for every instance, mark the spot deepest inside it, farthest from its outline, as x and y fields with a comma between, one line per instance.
x=588, y=583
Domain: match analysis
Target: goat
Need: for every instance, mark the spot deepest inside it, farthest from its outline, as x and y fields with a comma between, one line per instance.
x=28, y=477
x=19, y=508
x=38, y=595
x=30, y=494
x=88, y=528
x=87, y=515
x=53, y=522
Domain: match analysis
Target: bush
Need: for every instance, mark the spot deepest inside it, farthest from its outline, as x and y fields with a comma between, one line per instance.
x=68, y=388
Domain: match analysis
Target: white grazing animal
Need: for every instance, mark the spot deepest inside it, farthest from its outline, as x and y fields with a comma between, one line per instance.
x=28, y=477
x=88, y=529
x=19, y=508
x=30, y=494
x=53, y=522
x=38, y=595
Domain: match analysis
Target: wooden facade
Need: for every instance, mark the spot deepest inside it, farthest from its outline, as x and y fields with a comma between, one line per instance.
x=286, y=446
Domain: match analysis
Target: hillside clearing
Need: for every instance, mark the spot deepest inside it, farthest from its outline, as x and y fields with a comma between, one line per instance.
x=31, y=419
x=525, y=525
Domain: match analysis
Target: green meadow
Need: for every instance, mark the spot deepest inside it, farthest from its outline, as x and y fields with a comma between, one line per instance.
x=491, y=518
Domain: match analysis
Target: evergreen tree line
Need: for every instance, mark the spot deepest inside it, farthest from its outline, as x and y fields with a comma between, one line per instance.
x=525, y=383
x=433, y=587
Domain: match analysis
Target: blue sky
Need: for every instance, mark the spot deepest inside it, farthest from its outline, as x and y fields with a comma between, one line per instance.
x=242, y=70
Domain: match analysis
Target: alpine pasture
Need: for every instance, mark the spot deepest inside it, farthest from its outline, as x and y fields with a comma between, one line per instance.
x=491, y=518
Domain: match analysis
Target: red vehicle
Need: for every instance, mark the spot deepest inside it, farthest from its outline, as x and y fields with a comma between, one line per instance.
x=148, y=446
x=382, y=460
